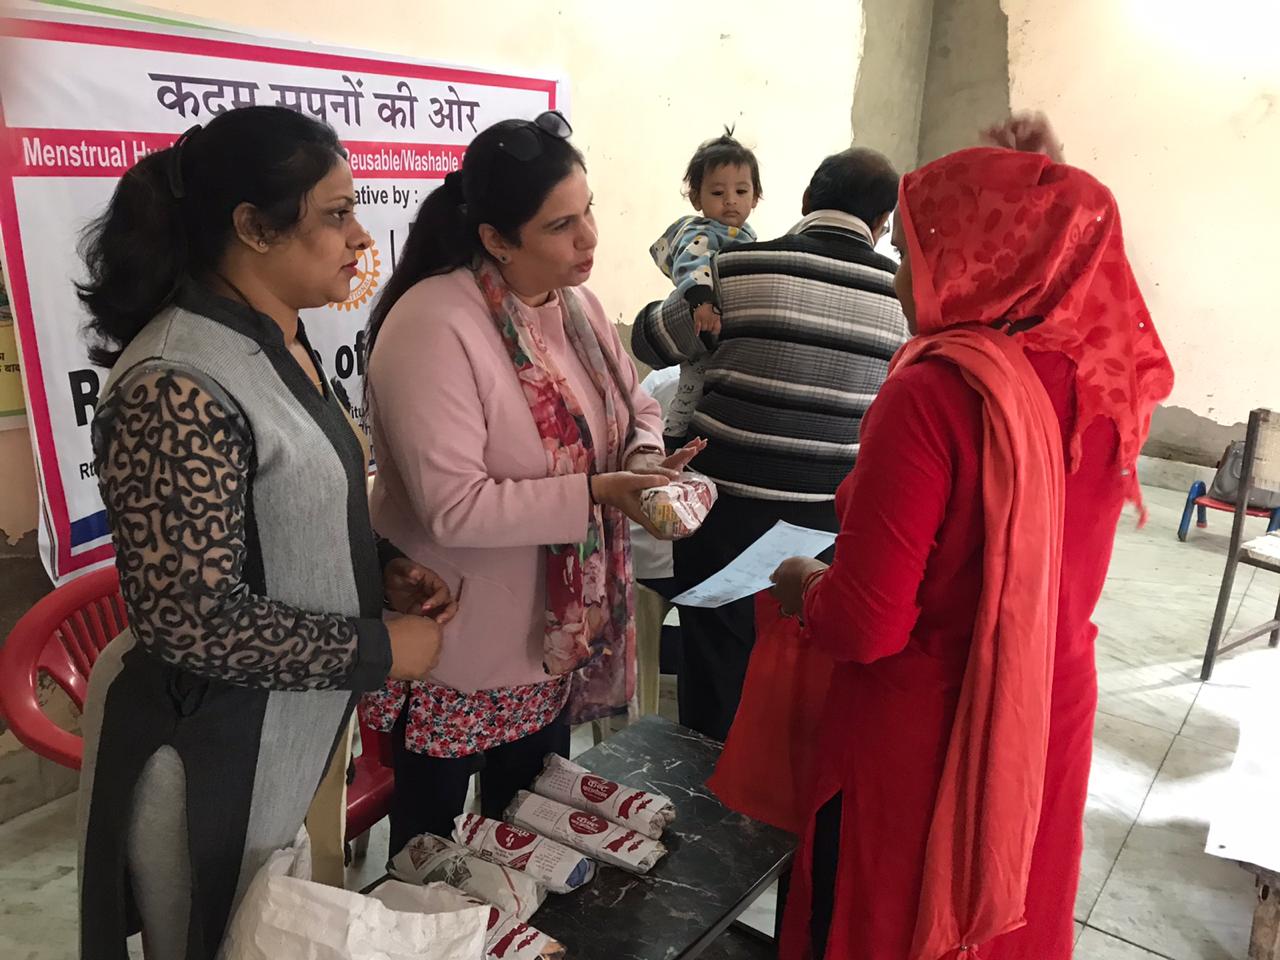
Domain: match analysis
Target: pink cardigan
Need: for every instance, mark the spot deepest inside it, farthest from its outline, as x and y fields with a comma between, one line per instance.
x=462, y=482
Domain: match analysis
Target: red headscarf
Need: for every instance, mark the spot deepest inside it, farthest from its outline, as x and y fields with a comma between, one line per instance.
x=999, y=236
x=1004, y=241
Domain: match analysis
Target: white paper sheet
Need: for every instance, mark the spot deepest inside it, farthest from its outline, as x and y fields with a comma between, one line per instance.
x=1242, y=824
x=749, y=573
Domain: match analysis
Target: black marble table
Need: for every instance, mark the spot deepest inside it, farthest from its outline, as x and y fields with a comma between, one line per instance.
x=718, y=865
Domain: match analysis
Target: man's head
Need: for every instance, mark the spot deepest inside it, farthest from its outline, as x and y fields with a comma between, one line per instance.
x=857, y=181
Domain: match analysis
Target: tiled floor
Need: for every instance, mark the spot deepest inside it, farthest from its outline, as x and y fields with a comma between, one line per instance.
x=1162, y=744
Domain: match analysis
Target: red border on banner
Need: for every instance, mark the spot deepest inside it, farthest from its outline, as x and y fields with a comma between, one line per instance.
x=19, y=291
x=33, y=375
x=110, y=153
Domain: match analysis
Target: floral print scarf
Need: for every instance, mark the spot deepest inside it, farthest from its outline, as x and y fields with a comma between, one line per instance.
x=590, y=628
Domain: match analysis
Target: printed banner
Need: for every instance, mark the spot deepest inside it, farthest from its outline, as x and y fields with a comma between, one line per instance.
x=83, y=99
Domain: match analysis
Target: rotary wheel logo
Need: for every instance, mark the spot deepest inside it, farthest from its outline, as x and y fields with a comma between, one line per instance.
x=368, y=270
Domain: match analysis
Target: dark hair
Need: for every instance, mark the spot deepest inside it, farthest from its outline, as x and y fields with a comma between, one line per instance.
x=170, y=218
x=723, y=151
x=858, y=181
x=493, y=186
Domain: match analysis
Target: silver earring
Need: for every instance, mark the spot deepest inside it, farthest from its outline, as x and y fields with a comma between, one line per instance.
x=504, y=259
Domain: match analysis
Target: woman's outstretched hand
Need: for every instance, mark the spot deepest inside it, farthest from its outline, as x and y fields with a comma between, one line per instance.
x=651, y=462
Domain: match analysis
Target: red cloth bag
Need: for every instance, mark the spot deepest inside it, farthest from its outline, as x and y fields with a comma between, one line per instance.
x=768, y=758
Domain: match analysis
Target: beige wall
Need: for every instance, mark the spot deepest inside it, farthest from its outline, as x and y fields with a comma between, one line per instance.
x=1176, y=106
x=967, y=84
x=17, y=487
x=648, y=82
x=889, y=95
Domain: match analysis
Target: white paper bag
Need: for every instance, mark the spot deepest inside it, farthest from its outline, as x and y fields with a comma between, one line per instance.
x=509, y=938
x=284, y=916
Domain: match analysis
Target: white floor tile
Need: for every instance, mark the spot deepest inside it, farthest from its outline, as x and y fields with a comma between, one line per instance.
x=373, y=865
x=1095, y=945
x=1215, y=716
x=38, y=914
x=1126, y=758
x=1158, y=693
x=762, y=914
x=1165, y=892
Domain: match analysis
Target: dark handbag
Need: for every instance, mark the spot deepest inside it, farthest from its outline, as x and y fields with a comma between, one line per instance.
x=1226, y=482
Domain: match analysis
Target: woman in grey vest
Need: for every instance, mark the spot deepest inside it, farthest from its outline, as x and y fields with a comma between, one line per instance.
x=235, y=488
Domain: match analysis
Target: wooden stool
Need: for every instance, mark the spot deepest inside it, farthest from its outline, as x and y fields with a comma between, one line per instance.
x=1264, y=944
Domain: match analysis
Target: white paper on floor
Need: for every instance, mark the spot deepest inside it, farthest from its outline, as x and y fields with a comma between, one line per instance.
x=749, y=572
x=1243, y=824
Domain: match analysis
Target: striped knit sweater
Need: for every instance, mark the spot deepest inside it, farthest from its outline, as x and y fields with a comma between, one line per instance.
x=810, y=322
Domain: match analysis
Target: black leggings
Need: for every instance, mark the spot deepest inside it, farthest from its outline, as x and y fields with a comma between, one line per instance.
x=826, y=860
x=431, y=791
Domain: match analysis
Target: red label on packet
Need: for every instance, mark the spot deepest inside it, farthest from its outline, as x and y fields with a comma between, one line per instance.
x=592, y=835
x=620, y=843
x=429, y=859
x=634, y=804
x=597, y=789
x=588, y=824
x=568, y=783
x=513, y=838
x=556, y=866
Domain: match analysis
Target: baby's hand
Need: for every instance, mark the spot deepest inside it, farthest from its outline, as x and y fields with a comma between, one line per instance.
x=706, y=319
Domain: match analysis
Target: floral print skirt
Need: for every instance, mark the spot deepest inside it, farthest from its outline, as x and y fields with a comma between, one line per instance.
x=444, y=722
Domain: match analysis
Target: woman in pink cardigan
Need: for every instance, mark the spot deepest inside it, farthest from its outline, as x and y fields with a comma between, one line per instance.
x=513, y=441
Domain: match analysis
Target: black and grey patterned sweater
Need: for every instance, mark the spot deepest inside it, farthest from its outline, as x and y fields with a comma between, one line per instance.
x=235, y=491
x=810, y=322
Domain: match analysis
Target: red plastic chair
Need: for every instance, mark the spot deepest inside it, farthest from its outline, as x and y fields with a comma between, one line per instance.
x=62, y=636
x=369, y=794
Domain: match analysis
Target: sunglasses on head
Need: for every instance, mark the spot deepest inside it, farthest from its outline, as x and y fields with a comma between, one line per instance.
x=524, y=140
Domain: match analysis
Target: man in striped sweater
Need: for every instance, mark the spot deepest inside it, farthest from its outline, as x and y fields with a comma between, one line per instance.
x=809, y=324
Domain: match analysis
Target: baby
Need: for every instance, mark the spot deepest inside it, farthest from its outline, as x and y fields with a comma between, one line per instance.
x=723, y=184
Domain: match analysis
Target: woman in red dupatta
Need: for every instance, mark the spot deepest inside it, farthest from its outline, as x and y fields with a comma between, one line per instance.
x=976, y=530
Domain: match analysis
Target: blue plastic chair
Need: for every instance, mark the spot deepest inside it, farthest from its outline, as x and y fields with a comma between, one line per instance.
x=1199, y=501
